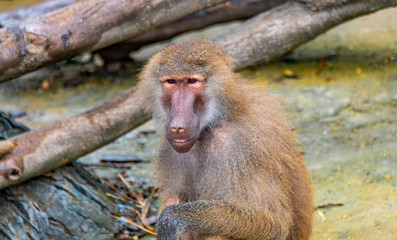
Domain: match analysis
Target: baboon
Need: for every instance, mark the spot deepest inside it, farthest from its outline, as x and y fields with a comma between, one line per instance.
x=229, y=166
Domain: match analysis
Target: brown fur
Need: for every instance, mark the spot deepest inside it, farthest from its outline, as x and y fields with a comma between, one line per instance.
x=245, y=177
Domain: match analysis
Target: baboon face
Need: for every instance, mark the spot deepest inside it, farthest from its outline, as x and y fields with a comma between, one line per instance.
x=184, y=102
x=186, y=84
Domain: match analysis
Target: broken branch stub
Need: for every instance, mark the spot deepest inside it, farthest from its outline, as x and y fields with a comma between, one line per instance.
x=6, y=146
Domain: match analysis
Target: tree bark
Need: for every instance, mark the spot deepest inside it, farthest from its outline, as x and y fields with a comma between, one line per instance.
x=69, y=203
x=282, y=29
x=316, y=5
x=230, y=11
x=84, y=26
x=40, y=151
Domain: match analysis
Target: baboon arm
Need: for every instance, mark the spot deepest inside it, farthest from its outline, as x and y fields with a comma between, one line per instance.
x=219, y=218
x=170, y=200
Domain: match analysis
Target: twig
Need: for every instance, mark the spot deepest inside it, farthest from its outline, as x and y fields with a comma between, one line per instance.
x=122, y=198
x=329, y=205
x=106, y=165
x=321, y=215
x=137, y=225
x=145, y=210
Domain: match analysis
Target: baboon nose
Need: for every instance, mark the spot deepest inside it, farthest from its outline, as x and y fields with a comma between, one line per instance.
x=177, y=129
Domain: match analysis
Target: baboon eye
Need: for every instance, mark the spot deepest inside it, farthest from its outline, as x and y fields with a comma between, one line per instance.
x=192, y=80
x=171, y=81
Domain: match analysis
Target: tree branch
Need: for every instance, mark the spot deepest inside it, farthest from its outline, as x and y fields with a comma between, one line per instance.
x=40, y=151
x=284, y=28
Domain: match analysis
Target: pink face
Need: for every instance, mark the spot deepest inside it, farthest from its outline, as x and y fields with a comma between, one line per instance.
x=184, y=100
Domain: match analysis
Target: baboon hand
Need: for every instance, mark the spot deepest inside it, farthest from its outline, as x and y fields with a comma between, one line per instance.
x=169, y=225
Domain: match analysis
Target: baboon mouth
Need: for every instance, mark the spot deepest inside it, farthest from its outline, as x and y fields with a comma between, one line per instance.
x=182, y=145
x=182, y=140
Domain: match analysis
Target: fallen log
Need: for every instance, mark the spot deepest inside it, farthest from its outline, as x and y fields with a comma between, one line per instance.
x=84, y=26
x=282, y=29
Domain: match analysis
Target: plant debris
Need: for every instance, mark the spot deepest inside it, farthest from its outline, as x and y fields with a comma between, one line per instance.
x=137, y=207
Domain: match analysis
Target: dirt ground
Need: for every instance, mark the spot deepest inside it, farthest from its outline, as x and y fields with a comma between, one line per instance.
x=341, y=91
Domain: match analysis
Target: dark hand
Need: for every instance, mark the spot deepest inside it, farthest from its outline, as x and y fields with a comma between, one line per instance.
x=169, y=225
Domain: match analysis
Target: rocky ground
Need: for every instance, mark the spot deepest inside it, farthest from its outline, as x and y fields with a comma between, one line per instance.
x=341, y=92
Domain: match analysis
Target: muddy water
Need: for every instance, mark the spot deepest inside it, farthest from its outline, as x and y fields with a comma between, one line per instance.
x=343, y=107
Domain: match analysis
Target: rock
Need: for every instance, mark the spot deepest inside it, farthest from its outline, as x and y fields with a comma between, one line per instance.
x=321, y=102
x=358, y=120
x=382, y=97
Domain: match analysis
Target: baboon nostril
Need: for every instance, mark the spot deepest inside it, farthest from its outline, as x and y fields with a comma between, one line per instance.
x=177, y=129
